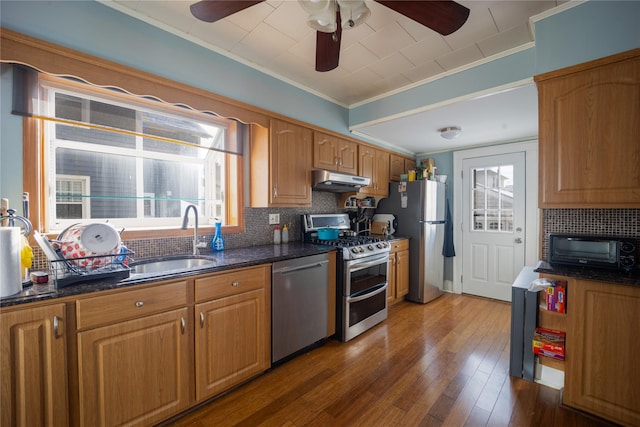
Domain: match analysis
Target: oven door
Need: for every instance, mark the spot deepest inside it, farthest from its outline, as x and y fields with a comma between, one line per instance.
x=364, y=300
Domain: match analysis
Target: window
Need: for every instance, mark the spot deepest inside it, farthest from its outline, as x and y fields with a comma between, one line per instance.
x=136, y=163
x=492, y=199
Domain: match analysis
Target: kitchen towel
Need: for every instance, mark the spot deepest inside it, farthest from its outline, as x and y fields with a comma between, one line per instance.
x=447, y=249
x=10, y=275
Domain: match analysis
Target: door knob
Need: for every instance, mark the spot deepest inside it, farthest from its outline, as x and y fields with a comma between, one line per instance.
x=518, y=240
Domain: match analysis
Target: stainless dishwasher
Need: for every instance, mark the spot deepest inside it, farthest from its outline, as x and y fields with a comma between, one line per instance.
x=299, y=304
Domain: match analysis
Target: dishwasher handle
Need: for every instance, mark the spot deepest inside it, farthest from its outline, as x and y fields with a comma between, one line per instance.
x=289, y=270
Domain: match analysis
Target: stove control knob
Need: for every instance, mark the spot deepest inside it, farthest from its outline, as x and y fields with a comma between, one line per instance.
x=370, y=247
x=355, y=250
x=381, y=245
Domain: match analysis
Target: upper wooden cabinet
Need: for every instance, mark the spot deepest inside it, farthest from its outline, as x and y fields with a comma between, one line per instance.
x=590, y=134
x=399, y=165
x=374, y=164
x=334, y=154
x=33, y=367
x=281, y=165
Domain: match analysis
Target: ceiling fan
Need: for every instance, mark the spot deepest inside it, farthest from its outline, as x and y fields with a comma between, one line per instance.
x=444, y=17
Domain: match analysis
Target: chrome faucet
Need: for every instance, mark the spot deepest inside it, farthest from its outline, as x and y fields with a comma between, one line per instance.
x=185, y=223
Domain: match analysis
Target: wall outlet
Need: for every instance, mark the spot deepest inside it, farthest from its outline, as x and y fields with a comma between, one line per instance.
x=274, y=219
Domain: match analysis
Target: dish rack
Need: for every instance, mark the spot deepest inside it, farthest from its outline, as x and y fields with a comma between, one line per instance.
x=69, y=271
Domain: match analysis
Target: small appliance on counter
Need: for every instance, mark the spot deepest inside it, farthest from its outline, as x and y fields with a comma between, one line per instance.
x=389, y=220
x=610, y=252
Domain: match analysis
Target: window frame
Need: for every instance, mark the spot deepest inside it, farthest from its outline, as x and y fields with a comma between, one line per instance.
x=35, y=179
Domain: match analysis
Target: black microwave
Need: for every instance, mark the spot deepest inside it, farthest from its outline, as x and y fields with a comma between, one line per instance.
x=620, y=253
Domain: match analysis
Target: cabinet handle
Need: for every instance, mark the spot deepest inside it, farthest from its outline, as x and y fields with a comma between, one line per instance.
x=275, y=192
x=56, y=327
x=139, y=304
x=182, y=325
x=201, y=319
x=235, y=284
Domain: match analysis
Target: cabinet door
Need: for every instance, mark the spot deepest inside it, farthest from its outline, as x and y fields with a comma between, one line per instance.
x=366, y=166
x=325, y=151
x=347, y=157
x=589, y=127
x=391, y=279
x=232, y=342
x=396, y=167
x=601, y=367
x=290, y=164
x=33, y=367
x=402, y=273
x=381, y=173
x=134, y=372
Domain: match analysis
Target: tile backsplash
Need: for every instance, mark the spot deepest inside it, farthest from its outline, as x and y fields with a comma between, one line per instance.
x=257, y=231
x=597, y=222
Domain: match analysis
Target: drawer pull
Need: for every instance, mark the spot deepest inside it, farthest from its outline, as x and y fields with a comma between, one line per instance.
x=182, y=325
x=139, y=304
x=56, y=327
x=235, y=284
x=201, y=319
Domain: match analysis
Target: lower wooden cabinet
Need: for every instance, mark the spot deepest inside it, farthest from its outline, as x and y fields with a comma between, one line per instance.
x=602, y=375
x=134, y=372
x=232, y=334
x=133, y=355
x=33, y=367
x=398, y=276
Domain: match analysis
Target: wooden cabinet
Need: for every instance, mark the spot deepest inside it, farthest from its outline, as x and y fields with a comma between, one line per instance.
x=398, y=275
x=33, y=367
x=374, y=164
x=280, y=165
x=334, y=154
x=399, y=165
x=588, y=134
x=232, y=334
x=602, y=374
x=134, y=371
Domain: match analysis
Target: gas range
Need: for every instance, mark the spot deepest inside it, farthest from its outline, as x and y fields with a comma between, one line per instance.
x=351, y=247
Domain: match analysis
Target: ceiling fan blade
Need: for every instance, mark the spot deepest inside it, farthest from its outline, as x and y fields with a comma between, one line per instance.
x=444, y=17
x=328, y=48
x=213, y=10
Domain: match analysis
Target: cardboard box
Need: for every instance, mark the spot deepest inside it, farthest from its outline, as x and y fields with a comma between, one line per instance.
x=549, y=343
x=556, y=296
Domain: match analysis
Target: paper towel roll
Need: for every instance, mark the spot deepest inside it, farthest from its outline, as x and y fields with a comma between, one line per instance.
x=10, y=276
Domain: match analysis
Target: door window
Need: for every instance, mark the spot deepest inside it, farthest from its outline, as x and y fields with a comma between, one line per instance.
x=492, y=199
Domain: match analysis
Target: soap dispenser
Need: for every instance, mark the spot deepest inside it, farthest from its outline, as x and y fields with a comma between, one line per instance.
x=217, y=243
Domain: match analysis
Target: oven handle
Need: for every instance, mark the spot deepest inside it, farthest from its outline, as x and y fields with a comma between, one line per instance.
x=361, y=264
x=368, y=293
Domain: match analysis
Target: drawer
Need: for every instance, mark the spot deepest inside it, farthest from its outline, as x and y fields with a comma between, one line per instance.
x=103, y=310
x=399, y=245
x=232, y=282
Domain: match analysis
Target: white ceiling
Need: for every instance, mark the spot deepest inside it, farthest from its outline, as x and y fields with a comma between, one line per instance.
x=387, y=53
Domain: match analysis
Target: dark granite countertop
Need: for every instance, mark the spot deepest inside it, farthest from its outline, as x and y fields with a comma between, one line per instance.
x=602, y=275
x=227, y=260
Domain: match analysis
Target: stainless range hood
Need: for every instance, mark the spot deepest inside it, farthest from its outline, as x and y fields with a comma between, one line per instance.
x=338, y=182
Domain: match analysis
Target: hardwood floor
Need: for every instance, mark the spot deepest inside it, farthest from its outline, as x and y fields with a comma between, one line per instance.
x=445, y=363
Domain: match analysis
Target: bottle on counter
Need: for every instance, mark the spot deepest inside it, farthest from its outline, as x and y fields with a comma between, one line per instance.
x=285, y=234
x=217, y=243
x=276, y=235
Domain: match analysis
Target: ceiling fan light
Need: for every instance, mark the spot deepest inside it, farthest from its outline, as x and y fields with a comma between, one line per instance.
x=324, y=22
x=313, y=7
x=450, y=132
x=355, y=12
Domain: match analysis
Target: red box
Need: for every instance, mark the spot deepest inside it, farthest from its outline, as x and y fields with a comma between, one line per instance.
x=556, y=296
x=549, y=343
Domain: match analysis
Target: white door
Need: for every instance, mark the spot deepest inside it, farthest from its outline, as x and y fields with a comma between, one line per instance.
x=493, y=224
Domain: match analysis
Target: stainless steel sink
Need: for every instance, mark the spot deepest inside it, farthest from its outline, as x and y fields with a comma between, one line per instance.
x=171, y=263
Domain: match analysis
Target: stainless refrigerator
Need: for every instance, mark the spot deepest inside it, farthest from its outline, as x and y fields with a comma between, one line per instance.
x=420, y=213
